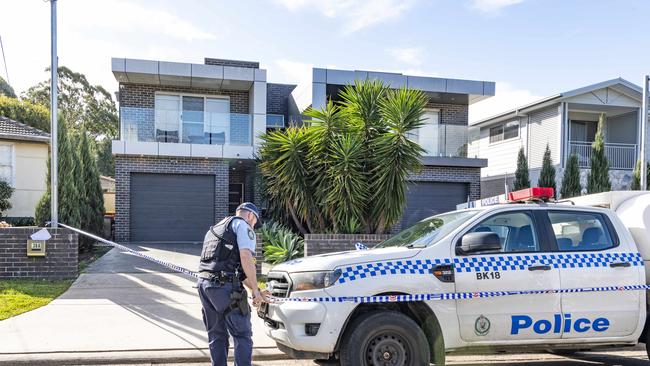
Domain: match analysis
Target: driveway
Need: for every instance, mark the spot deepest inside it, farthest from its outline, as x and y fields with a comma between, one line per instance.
x=121, y=304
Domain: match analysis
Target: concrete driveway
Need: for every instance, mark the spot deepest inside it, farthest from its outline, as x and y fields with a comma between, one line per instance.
x=123, y=306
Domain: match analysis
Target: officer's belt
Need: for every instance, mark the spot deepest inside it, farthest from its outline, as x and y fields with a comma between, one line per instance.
x=222, y=276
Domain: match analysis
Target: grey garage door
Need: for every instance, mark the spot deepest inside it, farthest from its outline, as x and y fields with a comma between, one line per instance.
x=424, y=199
x=169, y=207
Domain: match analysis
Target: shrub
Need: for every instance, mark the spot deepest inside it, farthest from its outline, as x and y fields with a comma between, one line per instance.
x=598, y=180
x=19, y=221
x=636, y=176
x=547, y=175
x=5, y=194
x=280, y=244
x=571, y=186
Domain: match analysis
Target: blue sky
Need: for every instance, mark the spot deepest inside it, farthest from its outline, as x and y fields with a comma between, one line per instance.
x=531, y=48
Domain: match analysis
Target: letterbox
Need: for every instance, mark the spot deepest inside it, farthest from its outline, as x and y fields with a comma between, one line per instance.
x=35, y=248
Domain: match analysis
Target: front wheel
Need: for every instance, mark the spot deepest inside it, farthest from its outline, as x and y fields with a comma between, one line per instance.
x=384, y=338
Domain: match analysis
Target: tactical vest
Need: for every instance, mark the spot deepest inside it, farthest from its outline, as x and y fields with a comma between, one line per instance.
x=220, y=250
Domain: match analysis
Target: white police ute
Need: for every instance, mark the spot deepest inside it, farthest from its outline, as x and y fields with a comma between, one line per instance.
x=528, y=275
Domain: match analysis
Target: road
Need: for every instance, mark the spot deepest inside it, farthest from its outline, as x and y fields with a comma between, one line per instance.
x=634, y=357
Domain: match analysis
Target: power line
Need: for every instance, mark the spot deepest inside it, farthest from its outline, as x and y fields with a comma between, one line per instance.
x=4, y=60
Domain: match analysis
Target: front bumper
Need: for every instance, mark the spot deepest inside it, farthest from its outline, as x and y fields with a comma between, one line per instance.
x=285, y=323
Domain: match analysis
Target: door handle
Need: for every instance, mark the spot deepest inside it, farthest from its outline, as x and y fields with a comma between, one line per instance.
x=620, y=264
x=544, y=267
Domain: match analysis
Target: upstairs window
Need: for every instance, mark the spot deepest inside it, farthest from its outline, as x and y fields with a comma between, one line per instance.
x=506, y=131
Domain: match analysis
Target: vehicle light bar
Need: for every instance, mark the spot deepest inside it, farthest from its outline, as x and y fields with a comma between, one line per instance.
x=531, y=194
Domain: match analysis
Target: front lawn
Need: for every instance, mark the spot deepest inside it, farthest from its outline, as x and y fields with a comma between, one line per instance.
x=20, y=295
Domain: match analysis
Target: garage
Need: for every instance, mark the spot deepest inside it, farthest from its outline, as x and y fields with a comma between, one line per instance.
x=424, y=199
x=171, y=208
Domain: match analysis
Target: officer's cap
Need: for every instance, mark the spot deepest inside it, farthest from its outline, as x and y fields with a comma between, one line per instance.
x=248, y=206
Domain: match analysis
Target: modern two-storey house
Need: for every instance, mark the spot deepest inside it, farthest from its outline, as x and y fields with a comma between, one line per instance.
x=567, y=122
x=189, y=132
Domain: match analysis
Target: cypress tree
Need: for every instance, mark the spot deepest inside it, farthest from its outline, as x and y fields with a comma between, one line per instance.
x=636, y=177
x=521, y=174
x=571, y=186
x=598, y=180
x=92, y=188
x=547, y=175
x=68, y=193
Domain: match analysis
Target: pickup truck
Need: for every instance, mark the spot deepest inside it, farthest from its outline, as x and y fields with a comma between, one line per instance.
x=520, y=276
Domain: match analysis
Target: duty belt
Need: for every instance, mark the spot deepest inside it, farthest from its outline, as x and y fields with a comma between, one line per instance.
x=221, y=277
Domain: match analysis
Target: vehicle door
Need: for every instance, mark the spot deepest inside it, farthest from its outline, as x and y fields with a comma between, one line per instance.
x=592, y=256
x=520, y=264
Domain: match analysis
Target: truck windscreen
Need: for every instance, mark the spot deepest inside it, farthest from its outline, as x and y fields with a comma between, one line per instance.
x=429, y=231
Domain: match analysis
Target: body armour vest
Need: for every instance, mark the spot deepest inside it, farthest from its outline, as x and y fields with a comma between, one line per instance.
x=220, y=250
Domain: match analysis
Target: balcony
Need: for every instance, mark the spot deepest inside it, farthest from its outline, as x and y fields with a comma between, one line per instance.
x=619, y=156
x=442, y=140
x=149, y=125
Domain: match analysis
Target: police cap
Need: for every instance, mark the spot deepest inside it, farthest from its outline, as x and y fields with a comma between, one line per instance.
x=248, y=206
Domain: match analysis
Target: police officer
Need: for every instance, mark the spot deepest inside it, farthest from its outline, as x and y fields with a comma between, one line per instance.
x=227, y=261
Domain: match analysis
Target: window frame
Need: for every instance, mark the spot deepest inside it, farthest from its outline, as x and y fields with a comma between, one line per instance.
x=12, y=161
x=180, y=105
x=604, y=220
x=502, y=135
x=542, y=235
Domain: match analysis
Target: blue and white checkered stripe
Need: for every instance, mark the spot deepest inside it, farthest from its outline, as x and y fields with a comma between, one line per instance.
x=454, y=295
x=514, y=262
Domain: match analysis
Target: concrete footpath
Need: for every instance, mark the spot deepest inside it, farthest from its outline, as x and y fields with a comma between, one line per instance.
x=122, y=309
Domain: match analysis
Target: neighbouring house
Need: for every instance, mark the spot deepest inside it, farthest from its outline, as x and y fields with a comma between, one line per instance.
x=449, y=176
x=188, y=134
x=567, y=122
x=23, y=164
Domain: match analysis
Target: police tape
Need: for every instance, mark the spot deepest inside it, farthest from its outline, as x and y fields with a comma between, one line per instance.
x=377, y=298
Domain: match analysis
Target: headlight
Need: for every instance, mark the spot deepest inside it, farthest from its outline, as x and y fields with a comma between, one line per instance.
x=303, y=281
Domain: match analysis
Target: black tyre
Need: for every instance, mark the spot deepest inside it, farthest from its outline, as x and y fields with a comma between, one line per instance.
x=384, y=338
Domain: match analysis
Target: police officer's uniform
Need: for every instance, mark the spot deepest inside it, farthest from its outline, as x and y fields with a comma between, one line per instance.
x=220, y=275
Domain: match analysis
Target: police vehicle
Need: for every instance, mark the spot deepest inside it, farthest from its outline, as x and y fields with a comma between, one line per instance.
x=528, y=275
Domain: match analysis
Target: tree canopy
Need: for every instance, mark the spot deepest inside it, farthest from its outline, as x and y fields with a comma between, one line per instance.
x=6, y=89
x=25, y=112
x=81, y=104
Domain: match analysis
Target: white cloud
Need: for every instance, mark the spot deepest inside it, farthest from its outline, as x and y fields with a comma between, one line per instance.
x=492, y=6
x=356, y=15
x=409, y=55
x=507, y=97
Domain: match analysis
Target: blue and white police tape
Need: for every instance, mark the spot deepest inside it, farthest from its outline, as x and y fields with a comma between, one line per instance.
x=380, y=298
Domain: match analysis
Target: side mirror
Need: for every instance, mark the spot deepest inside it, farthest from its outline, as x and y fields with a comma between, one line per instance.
x=479, y=242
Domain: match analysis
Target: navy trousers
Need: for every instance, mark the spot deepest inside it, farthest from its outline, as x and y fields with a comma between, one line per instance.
x=215, y=299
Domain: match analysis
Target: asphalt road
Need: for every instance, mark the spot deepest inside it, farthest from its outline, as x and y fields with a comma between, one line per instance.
x=635, y=357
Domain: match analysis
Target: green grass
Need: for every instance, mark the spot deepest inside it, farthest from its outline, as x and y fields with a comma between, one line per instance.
x=20, y=296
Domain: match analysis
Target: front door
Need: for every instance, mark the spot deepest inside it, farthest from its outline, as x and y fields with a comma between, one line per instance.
x=591, y=255
x=519, y=265
x=235, y=196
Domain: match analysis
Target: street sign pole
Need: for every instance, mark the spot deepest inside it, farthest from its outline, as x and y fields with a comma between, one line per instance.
x=644, y=131
x=54, y=171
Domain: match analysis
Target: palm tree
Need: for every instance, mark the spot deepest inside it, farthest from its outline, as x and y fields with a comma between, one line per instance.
x=346, y=170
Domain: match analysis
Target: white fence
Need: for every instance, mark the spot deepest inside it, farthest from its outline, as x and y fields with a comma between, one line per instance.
x=619, y=156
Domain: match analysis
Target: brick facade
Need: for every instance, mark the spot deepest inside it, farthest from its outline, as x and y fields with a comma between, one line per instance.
x=451, y=114
x=328, y=243
x=277, y=99
x=143, y=95
x=60, y=260
x=125, y=165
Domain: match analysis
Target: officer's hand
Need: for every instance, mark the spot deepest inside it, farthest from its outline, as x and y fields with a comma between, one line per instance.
x=259, y=298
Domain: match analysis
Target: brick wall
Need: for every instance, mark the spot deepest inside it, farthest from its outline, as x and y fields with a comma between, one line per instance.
x=277, y=99
x=328, y=243
x=125, y=165
x=143, y=96
x=452, y=114
x=237, y=63
x=61, y=254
